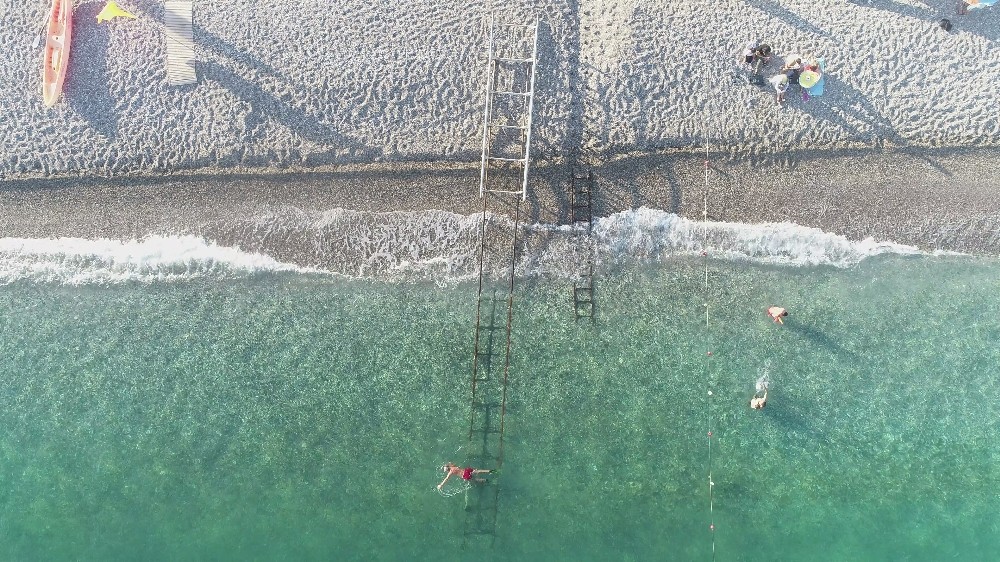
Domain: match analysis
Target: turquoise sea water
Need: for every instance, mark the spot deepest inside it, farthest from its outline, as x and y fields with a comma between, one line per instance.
x=297, y=417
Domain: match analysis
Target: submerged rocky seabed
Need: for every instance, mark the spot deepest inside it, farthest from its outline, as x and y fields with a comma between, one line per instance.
x=242, y=408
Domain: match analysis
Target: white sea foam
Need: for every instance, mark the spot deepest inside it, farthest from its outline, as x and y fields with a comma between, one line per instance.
x=652, y=234
x=77, y=261
x=428, y=245
x=390, y=245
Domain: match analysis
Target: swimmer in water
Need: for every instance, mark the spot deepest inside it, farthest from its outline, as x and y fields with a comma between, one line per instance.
x=467, y=473
x=777, y=313
x=758, y=402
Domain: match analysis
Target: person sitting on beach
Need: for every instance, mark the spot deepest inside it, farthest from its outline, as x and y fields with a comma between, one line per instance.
x=759, y=401
x=792, y=69
x=762, y=53
x=468, y=473
x=966, y=5
x=780, y=83
x=777, y=313
x=756, y=55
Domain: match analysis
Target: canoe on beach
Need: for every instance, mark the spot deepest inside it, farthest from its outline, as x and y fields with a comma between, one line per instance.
x=57, y=42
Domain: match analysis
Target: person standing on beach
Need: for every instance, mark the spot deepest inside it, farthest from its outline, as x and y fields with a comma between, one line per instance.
x=468, y=473
x=780, y=83
x=777, y=313
x=793, y=68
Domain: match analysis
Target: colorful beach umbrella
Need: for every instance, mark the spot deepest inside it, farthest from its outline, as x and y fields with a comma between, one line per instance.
x=808, y=78
x=112, y=11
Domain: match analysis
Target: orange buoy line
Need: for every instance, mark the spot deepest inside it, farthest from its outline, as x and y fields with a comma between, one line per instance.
x=58, y=35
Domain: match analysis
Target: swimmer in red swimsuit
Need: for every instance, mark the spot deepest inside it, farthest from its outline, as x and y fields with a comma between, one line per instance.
x=467, y=473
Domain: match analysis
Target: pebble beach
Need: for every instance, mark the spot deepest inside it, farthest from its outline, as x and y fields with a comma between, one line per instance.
x=379, y=107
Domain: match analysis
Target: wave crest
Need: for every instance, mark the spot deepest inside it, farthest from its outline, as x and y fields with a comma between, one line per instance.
x=420, y=245
x=79, y=261
x=652, y=234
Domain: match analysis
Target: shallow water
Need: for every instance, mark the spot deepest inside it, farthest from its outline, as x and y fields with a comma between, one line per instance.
x=290, y=416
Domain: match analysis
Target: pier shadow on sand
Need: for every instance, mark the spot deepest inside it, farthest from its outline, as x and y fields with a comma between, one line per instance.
x=547, y=114
x=87, y=88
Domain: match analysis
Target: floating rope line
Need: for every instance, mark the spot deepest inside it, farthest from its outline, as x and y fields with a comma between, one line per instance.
x=708, y=351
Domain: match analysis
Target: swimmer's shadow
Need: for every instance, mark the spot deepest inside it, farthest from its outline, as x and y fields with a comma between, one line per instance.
x=792, y=421
x=822, y=340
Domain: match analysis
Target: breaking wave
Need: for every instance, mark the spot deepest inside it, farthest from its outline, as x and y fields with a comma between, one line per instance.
x=79, y=261
x=425, y=245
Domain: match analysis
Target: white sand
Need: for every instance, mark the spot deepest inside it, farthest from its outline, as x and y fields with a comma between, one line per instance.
x=312, y=83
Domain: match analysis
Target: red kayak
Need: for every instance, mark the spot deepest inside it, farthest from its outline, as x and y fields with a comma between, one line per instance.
x=57, y=38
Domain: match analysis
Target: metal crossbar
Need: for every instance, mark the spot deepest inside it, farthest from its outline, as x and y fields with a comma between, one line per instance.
x=503, y=191
x=505, y=82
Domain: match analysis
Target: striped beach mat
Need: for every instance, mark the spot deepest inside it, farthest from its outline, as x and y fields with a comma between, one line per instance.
x=180, y=42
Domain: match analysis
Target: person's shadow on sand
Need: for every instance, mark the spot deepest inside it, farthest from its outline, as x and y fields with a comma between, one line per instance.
x=895, y=7
x=265, y=106
x=777, y=10
x=842, y=100
x=86, y=90
x=984, y=22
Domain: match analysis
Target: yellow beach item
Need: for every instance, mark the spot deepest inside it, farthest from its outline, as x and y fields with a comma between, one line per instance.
x=112, y=11
x=808, y=79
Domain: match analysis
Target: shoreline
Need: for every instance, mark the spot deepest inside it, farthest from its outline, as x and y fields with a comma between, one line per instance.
x=936, y=199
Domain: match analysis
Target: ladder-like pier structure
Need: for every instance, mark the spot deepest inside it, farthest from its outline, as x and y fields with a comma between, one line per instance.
x=503, y=186
x=581, y=219
x=491, y=366
x=510, y=98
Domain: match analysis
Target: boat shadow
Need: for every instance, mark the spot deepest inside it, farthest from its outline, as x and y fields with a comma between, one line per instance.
x=87, y=90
